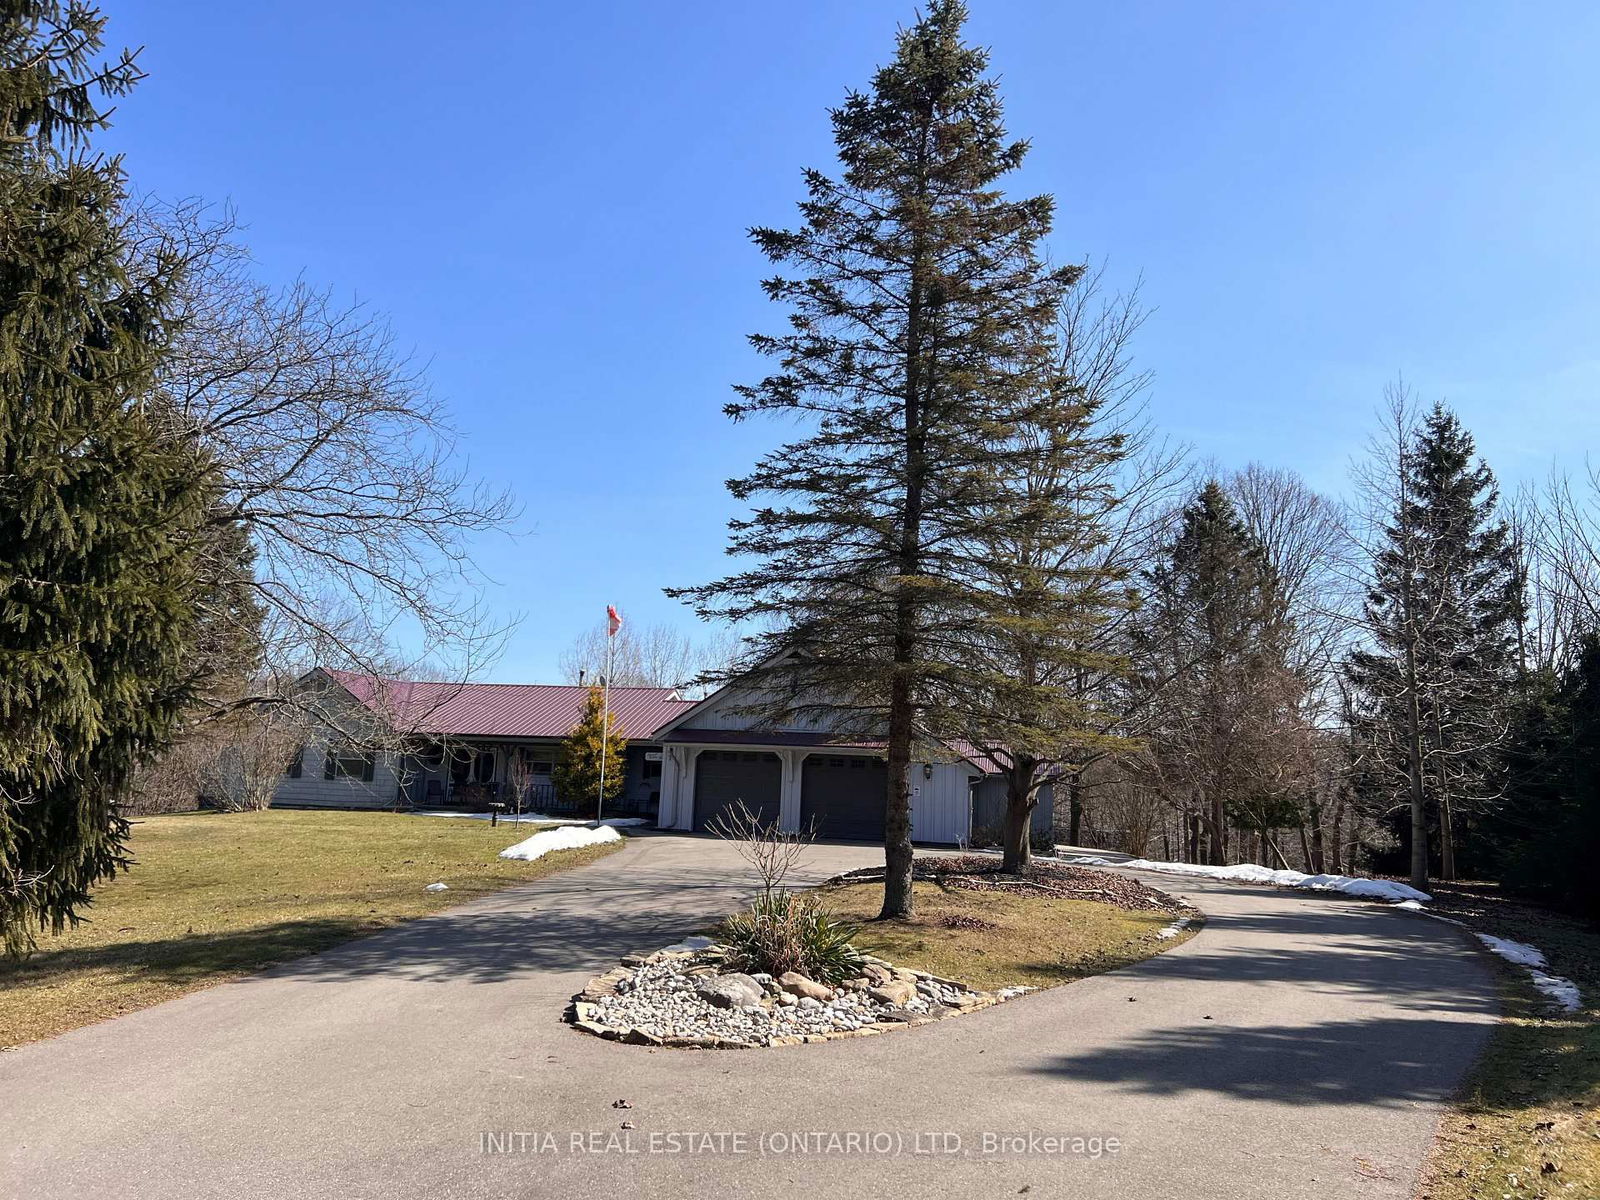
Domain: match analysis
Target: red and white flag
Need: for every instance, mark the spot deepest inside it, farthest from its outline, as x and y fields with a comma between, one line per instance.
x=613, y=622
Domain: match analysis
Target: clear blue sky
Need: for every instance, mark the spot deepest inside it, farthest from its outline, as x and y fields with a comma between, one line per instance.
x=550, y=201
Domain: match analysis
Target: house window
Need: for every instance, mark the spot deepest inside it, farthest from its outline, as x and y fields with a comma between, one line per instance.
x=652, y=769
x=541, y=767
x=348, y=763
x=297, y=764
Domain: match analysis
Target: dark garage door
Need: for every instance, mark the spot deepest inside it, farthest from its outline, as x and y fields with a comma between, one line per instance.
x=722, y=777
x=845, y=797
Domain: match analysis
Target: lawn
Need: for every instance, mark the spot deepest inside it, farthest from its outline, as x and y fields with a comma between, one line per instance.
x=1528, y=1122
x=990, y=940
x=213, y=896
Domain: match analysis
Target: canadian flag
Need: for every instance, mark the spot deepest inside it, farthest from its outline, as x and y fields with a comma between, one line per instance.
x=613, y=622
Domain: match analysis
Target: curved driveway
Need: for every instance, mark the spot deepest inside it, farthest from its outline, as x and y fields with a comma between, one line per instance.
x=1298, y=1047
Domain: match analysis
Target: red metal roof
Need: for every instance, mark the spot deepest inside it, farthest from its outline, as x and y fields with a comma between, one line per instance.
x=511, y=710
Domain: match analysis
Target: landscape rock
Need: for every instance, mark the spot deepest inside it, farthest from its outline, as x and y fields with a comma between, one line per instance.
x=895, y=992
x=799, y=985
x=734, y=990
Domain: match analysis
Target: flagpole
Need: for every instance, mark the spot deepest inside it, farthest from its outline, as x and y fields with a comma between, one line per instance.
x=605, y=720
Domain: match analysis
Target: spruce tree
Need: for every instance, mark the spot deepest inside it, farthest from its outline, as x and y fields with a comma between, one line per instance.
x=102, y=505
x=1212, y=644
x=1048, y=591
x=578, y=773
x=1434, y=679
x=916, y=292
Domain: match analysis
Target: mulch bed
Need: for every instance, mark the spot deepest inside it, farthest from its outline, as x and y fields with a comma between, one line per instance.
x=982, y=873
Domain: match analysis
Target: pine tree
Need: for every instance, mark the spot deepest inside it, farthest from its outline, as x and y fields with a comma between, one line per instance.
x=1441, y=616
x=1213, y=643
x=101, y=508
x=578, y=773
x=916, y=301
x=1048, y=590
x=1547, y=832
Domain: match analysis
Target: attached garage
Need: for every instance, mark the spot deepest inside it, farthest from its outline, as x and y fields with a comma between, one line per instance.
x=844, y=796
x=724, y=777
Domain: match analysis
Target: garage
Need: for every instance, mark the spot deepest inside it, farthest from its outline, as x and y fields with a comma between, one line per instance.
x=844, y=797
x=724, y=777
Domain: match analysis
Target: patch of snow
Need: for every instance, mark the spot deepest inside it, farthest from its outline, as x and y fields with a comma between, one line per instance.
x=1089, y=860
x=437, y=887
x=1410, y=905
x=569, y=837
x=1366, y=889
x=1563, y=992
x=527, y=818
x=690, y=943
x=1177, y=927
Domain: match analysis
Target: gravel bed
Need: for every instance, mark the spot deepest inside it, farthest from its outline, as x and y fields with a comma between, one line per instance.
x=662, y=999
x=982, y=873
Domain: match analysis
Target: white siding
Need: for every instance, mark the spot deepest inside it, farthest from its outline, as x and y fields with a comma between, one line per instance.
x=723, y=715
x=941, y=807
x=312, y=790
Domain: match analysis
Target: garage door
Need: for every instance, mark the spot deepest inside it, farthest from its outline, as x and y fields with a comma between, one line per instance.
x=723, y=777
x=845, y=797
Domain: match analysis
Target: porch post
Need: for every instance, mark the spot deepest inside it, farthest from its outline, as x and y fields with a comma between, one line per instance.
x=789, y=788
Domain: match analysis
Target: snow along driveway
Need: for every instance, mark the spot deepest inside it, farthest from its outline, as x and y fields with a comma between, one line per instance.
x=1299, y=1046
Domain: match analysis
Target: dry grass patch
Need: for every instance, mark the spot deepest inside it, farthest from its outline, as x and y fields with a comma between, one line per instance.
x=992, y=939
x=1528, y=1123
x=215, y=896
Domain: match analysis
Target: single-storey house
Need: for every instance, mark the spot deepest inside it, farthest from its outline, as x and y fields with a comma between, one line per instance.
x=466, y=745
x=688, y=761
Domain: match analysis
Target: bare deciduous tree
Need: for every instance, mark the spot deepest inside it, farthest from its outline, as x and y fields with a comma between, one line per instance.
x=647, y=656
x=339, y=465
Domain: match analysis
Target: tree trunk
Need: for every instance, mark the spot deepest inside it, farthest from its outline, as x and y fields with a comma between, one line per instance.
x=1075, y=808
x=1017, y=844
x=1447, y=836
x=1336, y=861
x=1218, y=821
x=897, y=899
x=1316, y=852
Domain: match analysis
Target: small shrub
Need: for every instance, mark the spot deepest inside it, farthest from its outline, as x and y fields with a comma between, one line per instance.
x=782, y=932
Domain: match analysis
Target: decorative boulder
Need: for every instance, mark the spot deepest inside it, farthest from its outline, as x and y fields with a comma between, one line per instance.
x=896, y=992
x=735, y=990
x=797, y=984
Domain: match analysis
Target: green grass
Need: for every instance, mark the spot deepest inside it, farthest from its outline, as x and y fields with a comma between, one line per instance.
x=1527, y=1124
x=1040, y=941
x=214, y=896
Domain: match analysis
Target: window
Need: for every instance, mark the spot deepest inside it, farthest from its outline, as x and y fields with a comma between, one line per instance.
x=297, y=764
x=348, y=763
x=652, y=769
x=540, y=767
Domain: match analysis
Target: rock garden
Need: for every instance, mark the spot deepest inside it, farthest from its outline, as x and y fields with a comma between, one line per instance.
x=683, y=996
x=789, y=970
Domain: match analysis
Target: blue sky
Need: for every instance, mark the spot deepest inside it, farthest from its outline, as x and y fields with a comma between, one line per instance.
x=549, y=200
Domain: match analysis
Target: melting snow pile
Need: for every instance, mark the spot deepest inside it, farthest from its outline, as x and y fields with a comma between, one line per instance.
x=1562, y=991
x=1366, y=889
x=567, y=837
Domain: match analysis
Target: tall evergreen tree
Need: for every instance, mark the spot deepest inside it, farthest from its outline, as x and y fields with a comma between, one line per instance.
x=1434, y=679
x=916, y=299
x=1048, y=590
x=1213, y=643
x=1546, y=833
x=101, y=506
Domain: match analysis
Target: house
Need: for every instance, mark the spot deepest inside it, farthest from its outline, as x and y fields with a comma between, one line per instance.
x=717, y=752
x=688, y=762
x=460, y=745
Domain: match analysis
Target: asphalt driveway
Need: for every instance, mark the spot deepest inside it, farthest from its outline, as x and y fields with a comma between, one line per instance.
x=1298, y=1047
